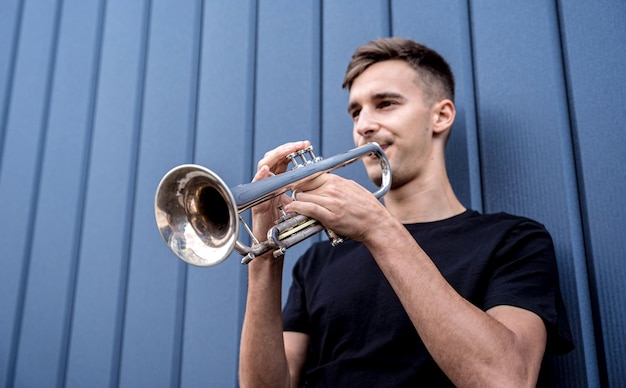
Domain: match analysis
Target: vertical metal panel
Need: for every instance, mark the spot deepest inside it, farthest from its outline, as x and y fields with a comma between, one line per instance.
x=287, y=89
x=56, y=238
x=594, y=36
x=9, y=38
x=526, y=149
x=223, y=144
x=152, y=336
x=101, y=276
x=26, y=123
x=287, y=104
x=345, y=27
x=450, y=36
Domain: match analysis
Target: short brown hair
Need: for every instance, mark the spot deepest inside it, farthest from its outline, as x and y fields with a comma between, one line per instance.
x=434, y=71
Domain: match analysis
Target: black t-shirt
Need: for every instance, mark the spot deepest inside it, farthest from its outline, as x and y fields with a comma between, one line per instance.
x=360, y=335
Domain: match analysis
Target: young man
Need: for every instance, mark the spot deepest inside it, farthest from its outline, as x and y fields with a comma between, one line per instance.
x=424, y=292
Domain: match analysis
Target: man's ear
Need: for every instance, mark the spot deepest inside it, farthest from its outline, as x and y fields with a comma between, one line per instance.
x=443, y=116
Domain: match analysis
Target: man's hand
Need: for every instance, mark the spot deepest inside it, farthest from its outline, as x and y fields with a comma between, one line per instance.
x=341, y=205
x=274, y=162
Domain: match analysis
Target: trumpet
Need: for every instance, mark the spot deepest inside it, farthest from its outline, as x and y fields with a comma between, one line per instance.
x=198, y=215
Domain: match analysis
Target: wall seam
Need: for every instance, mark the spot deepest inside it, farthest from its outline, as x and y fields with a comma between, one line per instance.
x=478, y=200
x=4, y=113
x=599, y=365
x=248, y=151
x=74, y=268
x=117, y=354
x=19, y=315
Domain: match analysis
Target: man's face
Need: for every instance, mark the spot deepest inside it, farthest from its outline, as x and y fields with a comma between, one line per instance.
x=387, y=106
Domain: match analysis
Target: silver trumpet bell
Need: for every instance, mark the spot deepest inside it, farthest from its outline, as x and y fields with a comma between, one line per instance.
x=198, y=216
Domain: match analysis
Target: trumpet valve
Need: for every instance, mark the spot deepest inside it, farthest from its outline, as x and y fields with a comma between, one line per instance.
x=292, y=157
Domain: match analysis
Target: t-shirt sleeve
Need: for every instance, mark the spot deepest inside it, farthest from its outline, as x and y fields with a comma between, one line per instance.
x=526, y=276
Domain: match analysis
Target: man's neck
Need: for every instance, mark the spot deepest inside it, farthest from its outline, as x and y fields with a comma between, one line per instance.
x=425, y=202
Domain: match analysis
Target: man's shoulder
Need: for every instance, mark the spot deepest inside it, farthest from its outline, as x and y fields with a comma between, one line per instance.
x=503, y=219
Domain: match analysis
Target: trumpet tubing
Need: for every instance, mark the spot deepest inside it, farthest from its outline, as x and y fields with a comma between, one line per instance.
x=198, y=215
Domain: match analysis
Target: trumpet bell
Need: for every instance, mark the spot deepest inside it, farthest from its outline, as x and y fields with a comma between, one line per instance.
x=196, y=215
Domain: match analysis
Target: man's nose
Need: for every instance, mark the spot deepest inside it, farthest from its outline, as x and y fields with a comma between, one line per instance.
x=366, y=125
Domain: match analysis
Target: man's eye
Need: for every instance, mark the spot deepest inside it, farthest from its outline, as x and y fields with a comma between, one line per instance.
x=355, y=114
x=385, y=104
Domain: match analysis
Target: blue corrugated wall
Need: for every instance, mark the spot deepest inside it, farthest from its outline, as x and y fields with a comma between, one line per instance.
x=99, y=98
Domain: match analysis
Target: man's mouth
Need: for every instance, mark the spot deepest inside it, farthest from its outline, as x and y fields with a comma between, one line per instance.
x=383, y=146
x=380, y=142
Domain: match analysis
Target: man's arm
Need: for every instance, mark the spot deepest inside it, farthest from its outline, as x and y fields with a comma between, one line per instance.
x=296, y=345
x=262, y=357
x=501, y=347
x=267, y=357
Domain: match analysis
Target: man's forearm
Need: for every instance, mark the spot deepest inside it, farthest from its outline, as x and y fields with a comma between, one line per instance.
x=262, y=360
x=472, y=347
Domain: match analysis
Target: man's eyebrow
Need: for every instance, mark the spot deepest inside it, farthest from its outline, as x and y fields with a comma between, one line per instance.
x=385, y=95
x=377, y=97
